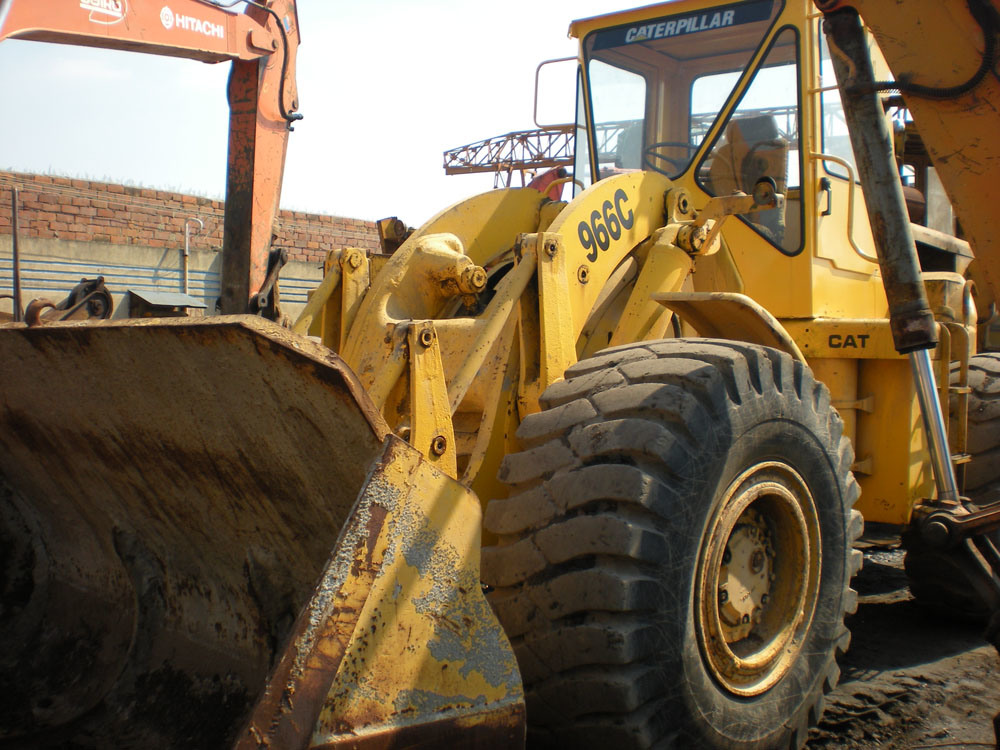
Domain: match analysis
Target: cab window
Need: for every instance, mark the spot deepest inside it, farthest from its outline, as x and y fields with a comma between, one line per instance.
x=759, y=140
x=640, y=78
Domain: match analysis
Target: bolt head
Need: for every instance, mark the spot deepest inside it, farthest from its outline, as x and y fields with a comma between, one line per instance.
x=473, y=280
x=439, y=445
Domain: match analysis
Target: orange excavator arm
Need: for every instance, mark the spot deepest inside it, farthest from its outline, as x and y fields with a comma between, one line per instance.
x=944, y=58
x=261, y=43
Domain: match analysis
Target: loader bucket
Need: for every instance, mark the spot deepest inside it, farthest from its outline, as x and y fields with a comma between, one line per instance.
x=208, y=539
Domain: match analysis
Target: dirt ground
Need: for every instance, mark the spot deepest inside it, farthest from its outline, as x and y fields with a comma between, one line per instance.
x=911, y=679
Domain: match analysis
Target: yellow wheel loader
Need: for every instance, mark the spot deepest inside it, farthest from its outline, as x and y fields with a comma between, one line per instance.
x=677, y=396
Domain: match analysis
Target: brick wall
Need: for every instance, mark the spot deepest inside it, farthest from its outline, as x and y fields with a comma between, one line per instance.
x=88, y=211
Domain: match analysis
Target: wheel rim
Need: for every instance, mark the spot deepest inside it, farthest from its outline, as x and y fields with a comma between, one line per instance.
x=758, y=575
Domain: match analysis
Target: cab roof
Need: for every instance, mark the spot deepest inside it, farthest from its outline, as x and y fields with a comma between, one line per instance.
x=581, y=27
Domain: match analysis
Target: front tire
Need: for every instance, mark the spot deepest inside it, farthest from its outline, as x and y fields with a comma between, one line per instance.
x=674, y=560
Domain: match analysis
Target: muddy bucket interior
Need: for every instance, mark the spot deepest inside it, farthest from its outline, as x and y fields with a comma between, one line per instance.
x=173, y=496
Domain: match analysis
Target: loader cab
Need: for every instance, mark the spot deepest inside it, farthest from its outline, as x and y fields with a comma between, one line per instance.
x=716, y=96
x=669, y=93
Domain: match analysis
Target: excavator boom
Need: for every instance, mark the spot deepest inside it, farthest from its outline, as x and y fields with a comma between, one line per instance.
x=186, y=28
x=952, y=97
x=263, y=101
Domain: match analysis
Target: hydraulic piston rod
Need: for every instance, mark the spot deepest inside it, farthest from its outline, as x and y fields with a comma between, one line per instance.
x=930, y=407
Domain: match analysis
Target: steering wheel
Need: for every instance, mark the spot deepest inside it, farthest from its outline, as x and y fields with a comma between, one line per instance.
x=651, y=155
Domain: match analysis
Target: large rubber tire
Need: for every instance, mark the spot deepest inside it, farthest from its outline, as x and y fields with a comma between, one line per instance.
x=606, y=543
x=953, y=581
x=983, y=472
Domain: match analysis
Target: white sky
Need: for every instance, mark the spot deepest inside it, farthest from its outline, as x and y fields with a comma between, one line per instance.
x=385, y=86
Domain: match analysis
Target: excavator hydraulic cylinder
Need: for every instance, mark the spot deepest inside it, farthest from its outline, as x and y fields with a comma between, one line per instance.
x=911, y=319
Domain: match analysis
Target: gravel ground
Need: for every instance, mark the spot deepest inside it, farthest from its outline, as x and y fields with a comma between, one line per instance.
x=912, y=678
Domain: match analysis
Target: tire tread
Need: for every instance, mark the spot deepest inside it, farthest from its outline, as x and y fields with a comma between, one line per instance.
x=587, y=522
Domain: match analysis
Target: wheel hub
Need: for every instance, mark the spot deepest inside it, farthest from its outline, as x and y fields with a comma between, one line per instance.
x=758, y=578
x=745, y=577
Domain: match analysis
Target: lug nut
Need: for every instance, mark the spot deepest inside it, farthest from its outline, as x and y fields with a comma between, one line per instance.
x=757, y=561
x=723, y=596
x=746, y=619
x=727, y=557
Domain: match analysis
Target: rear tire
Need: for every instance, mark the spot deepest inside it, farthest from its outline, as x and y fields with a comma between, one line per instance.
x=983, y=472
x=952, y=581
x=658, y=475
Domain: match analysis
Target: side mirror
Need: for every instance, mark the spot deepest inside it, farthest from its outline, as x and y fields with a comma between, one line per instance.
x=562, y=82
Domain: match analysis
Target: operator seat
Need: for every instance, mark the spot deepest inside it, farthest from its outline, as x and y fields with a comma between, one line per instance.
x=629, y=153
x=753, y=148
